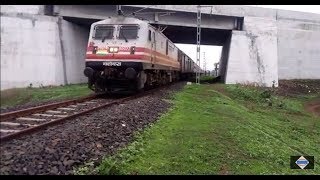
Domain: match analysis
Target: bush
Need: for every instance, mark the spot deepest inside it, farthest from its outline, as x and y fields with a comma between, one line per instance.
x=266, y=94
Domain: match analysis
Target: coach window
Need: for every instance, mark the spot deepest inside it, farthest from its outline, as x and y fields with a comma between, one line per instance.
x=154, y=36
x=179, y=56
x=167, y=46
x=149, y=36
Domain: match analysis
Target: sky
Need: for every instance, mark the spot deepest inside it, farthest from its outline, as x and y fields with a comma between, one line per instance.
x=212, y=53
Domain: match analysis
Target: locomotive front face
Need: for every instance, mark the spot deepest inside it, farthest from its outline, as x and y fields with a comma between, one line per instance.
x=114, y=55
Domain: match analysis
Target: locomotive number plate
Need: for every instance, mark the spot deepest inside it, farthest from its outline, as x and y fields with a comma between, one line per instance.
x=112, y=63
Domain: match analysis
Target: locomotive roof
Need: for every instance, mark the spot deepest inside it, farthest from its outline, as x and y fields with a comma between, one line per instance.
x=120, y=20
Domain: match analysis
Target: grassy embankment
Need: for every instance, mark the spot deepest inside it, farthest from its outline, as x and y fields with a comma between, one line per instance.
x=19, y=96
x=221, y=129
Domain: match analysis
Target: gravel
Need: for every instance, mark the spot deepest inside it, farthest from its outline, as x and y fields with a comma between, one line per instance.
x=58, y=149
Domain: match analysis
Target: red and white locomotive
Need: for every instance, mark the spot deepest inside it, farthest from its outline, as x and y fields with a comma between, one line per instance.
x=126, y=54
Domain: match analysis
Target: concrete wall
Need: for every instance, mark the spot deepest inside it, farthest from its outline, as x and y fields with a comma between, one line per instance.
x=224, y=59
x=28, y=9
x=75, y=41
x=298, y=48
x=187, y=19
x=228, y=10
x=32, y=51
x=253, y=53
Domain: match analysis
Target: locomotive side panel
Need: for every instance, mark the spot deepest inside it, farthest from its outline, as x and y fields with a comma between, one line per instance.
x=165, y=53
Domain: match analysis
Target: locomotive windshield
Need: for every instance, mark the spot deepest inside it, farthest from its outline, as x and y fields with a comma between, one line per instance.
x=103, y=32
x=128, y=32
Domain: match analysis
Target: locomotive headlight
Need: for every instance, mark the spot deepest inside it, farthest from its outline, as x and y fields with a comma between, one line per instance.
x=113, y=49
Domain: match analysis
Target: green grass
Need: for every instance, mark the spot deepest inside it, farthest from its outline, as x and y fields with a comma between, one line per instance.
x=18, y=96
x=206, y=78
x=206, y=132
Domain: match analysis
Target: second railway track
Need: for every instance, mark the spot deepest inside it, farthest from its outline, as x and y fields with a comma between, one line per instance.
x=22, y=122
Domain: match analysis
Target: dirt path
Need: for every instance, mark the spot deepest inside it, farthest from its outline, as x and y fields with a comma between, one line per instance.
x=314, y=107
x=293, y=88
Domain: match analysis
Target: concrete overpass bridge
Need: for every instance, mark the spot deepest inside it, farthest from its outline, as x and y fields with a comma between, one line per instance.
x=46, y=44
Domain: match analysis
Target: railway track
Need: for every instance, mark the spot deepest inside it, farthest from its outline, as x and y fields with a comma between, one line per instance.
x=22, y=122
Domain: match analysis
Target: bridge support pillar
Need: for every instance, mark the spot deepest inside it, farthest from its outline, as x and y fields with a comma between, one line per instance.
x=253, y=55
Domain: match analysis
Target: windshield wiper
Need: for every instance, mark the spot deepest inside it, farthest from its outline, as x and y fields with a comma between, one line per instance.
x=123, y=36
x=105, y=37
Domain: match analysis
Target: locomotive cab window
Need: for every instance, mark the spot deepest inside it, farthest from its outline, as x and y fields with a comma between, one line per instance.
x=128, y=32
x=103, y=32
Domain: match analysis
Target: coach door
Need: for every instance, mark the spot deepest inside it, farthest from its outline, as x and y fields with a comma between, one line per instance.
x=153, y=48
